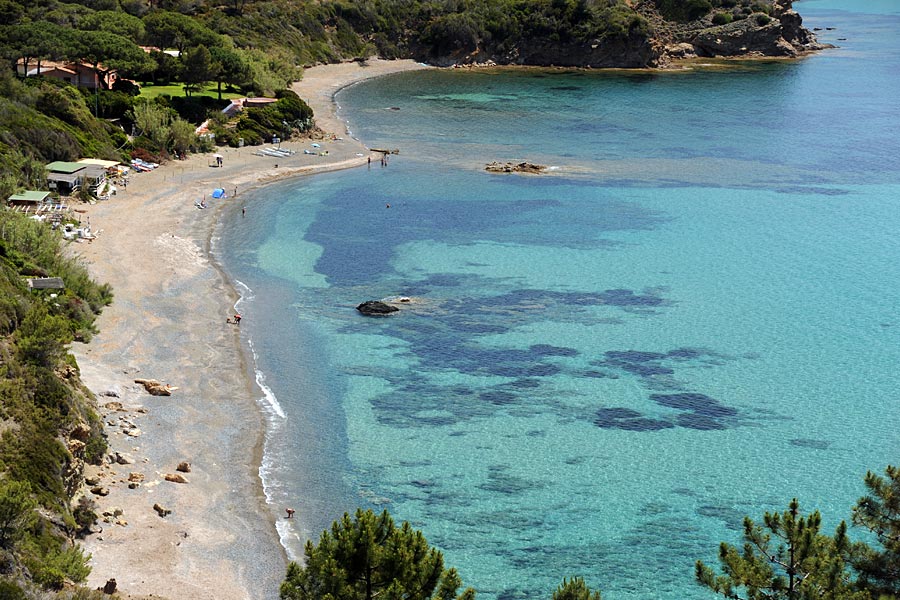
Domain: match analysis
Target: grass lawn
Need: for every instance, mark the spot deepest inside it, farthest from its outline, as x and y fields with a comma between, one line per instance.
x=152, y=91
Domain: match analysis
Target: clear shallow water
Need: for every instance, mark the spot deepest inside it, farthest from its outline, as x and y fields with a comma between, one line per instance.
x=694, y=319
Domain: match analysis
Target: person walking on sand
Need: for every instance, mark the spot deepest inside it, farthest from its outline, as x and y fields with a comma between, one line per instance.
x=243, y=211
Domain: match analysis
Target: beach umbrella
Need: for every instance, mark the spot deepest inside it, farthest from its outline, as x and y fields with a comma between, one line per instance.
x=218, y=193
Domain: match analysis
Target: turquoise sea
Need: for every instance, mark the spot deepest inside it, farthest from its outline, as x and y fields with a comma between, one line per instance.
x=694, y=317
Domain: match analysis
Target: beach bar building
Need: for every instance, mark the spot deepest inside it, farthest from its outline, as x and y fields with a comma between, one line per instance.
x=98, y=171
x=69, y=177
x=28, y=200
x=65, y=177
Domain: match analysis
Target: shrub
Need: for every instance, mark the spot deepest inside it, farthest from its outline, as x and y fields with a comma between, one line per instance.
x=251, y=138
x=58, y=564
x=763, y=20
x=95, y=449
x=143, y=153
x=16, y=512
x=42, y=338
x=722, y=18
x=684, y=10
x=85, y=515
x=10, y=591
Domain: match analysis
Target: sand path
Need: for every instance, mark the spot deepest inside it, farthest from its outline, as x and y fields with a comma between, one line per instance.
x=167, y=322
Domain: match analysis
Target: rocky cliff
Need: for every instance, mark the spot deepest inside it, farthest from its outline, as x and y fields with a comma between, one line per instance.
x=778, y=33
x=769, y=28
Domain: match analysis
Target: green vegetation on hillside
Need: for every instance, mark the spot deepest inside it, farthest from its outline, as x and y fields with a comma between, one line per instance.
x=50, y=428
x=272, y=36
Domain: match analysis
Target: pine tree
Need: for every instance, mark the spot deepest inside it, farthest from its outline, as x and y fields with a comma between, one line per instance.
x=786, y=559
x=367, y=556
x=575, y=589
x=879, y=512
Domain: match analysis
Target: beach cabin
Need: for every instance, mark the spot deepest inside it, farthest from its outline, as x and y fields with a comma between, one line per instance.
x=69, y=177
x=28, y=201
x=96, y=178
x=65, y=177
x=46, y=283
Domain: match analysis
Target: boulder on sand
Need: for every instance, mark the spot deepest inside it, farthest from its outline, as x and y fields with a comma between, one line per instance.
x=376, y=308
x=155, y=388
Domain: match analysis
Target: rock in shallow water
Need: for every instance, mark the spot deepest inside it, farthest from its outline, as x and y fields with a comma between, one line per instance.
x=376, y=308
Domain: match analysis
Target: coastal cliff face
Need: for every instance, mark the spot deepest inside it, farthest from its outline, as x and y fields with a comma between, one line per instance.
x=780, y=33
x=762, y=29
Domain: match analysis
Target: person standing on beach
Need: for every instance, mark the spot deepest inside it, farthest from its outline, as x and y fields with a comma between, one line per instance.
x=243, y=211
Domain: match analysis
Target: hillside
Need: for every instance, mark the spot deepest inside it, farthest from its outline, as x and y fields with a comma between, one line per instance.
x=49, y=426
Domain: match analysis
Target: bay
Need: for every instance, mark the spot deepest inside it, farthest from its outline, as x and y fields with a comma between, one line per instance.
x=691, y=318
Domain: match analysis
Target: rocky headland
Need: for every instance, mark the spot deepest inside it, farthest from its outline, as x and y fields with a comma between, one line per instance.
x=732, y=29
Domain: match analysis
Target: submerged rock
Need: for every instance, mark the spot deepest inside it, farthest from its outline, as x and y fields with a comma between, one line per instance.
x=376, y=308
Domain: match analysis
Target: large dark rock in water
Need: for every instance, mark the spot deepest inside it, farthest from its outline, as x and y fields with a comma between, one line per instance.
x=376, y=308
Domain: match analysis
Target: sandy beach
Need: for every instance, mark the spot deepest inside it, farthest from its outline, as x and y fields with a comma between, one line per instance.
x=168, y=322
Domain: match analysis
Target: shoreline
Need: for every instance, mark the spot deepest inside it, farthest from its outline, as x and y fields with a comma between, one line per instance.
x=167, y=322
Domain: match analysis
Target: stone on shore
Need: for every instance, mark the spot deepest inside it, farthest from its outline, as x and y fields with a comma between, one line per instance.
x=156, y=388
x=184, y=467
x=175, y=478
x=161, y=510
x=122, y=459
x=109, y=587
x=376, y=308
x=112, y=392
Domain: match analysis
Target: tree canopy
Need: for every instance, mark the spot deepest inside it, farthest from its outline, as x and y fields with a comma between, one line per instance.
x=367, y=556
x=879, y=513
x=787, y=558
x=575, y=589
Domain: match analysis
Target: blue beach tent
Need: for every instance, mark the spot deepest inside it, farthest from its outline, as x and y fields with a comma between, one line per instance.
x=218, y=193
